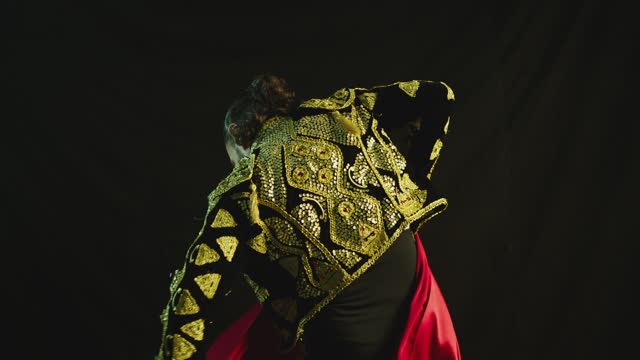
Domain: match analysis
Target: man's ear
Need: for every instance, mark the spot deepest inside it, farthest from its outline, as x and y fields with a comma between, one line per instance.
x=231, y=130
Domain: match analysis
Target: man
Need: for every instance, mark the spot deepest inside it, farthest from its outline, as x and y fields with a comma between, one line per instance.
x=319, y=218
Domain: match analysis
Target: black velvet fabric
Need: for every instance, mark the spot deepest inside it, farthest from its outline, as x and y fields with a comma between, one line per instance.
x=366, y=320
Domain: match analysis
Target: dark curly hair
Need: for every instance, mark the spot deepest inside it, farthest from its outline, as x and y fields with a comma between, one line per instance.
x=266, y=96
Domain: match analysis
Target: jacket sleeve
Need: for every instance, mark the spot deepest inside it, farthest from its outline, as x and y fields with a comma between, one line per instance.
x=419, y=112
x=212, y=289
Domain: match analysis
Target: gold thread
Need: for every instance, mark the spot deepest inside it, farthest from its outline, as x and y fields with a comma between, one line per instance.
x=353, y=181
x=322, y=214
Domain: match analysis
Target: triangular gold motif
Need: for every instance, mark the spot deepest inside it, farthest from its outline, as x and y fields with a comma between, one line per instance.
x=182, y=349
x=410, y=87
x=208, y=283
x=366, y=232
x=223, y=219
x=291, y=264
x=259, y=243
x=287, y=308
x=206, y=255
x=187, y=305
x=195, y=329
x=228, y=245
x=328, y=275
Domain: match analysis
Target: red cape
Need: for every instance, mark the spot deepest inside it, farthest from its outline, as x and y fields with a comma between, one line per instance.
x=428, y=335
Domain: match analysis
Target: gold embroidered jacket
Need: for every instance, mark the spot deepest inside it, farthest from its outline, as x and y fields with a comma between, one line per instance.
x=322, y=196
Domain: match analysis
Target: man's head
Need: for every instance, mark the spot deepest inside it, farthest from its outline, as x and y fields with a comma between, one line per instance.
x=266, y=96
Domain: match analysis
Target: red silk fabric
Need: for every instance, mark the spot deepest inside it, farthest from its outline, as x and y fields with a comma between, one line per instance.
x=428, y=335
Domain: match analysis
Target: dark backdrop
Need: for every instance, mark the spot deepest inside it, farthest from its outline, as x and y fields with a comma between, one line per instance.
x=118, y=143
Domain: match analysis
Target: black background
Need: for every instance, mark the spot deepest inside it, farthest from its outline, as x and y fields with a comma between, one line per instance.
x=118, y=140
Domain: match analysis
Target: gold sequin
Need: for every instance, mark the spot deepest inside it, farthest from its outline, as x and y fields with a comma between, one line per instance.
x=338, y=100
x=195, y=329
x=361, y=174
x=301, y=150
x=346, y=208
x=396, y=156
x=187, y=305
x=391, y=215
x=206, y=255
x=446, y=126
x=300, y=174
x=325, y=175
x=306, y=290
x=323, y=152
x=352, y=179
x=314, y=251
x=228, y=245
x=380, y=157
x=272, y=186
x=324, y=126
x=208, y=283
x=308, y=217
x=346, y=257
x=316, y=200
x=182, y=349
x=223, y=219
x=283, y=231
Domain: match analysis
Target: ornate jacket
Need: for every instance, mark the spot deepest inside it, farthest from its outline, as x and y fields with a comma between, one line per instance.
x=322, y=196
